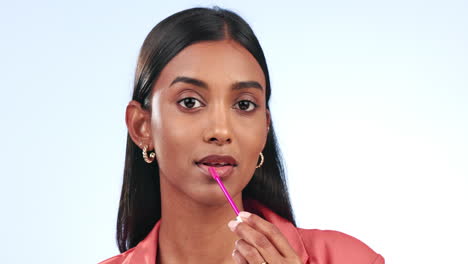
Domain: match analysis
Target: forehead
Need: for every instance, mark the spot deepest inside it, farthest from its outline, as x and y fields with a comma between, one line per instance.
x=218, y=63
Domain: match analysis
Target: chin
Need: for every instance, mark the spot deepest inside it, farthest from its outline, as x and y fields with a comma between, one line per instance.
x=212, y=196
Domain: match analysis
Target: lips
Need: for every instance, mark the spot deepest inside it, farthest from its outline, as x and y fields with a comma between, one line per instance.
x=218, y=161
x=224, y=165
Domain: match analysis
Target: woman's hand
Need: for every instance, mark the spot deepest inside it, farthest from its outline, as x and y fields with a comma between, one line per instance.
x=260, y=242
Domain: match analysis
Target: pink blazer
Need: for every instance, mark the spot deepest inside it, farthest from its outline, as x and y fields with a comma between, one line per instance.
x=313, y=246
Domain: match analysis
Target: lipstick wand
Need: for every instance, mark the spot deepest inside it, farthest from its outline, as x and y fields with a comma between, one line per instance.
x=215, y=176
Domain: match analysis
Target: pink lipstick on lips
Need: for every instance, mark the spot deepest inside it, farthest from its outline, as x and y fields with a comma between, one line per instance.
x=224, y=164
x=215, y=175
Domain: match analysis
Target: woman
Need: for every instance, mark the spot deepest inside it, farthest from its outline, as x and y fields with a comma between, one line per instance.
x=200, y=100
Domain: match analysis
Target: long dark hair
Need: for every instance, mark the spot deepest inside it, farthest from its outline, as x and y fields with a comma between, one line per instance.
x=140, y=201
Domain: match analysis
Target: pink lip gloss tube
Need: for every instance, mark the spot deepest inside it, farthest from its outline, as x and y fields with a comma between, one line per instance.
x=215, y=176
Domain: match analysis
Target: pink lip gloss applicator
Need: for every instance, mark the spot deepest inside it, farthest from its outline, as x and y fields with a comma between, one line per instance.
x=215, y=176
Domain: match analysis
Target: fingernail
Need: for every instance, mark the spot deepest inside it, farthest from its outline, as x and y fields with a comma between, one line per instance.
x=232, y=225
x=244, y=215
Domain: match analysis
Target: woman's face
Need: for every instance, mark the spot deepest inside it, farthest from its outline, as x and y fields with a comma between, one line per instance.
x=209, y=109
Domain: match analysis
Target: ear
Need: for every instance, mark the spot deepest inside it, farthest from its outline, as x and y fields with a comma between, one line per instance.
x=268, y=120
x=138, y=122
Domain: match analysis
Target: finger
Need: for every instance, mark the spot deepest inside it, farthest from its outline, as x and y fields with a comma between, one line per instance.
x=256, y=239
x=269, y=230
x=248, y=252
x=238, y=258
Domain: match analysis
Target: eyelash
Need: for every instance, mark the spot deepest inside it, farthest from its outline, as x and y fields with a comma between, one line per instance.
x=182, y=101
x=250, y=104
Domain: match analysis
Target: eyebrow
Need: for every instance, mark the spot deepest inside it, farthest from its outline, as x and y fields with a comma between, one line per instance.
x=202, y=84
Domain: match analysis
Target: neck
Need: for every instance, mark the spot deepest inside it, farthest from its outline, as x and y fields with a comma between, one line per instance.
x=194, y=233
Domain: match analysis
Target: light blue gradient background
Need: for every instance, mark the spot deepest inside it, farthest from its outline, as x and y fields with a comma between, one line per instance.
x=370, y=100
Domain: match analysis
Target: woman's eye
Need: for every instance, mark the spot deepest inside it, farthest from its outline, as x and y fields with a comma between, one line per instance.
x=246, y=105
x=189, y=102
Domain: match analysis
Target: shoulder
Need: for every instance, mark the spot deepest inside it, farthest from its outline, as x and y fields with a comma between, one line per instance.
x=119, y=259
x=327, y=246
x=316, y=246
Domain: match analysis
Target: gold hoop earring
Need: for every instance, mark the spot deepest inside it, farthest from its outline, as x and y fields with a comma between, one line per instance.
x=261, y=161
x=145, y=155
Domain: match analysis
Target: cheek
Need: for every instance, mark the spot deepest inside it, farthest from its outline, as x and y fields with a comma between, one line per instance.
x=251, y=135
x=174, y=134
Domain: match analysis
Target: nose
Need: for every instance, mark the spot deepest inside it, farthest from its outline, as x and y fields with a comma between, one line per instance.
x=219, y=130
